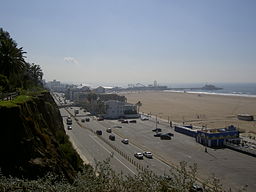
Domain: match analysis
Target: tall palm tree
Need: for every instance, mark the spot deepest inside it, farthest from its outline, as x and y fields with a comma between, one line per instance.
x=12, y=60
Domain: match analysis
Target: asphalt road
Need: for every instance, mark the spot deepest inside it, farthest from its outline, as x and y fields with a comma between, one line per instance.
x=234, y=169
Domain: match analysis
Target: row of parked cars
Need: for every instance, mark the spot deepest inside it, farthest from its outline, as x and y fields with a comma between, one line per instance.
x=166, y=136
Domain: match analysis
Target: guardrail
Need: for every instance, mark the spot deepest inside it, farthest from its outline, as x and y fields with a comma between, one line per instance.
x=8, y=96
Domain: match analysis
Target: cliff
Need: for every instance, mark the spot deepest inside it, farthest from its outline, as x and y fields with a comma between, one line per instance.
x=33, y=141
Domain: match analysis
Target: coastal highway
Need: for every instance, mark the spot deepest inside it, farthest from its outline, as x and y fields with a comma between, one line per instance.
x=234, y=169
x=100, y=147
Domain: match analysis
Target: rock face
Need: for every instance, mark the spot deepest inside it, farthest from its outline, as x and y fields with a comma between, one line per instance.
x=33, y=141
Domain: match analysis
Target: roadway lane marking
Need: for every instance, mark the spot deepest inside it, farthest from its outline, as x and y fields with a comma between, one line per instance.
x=93, y=137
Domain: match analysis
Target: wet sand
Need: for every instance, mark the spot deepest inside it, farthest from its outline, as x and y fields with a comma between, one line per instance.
x=212, y=111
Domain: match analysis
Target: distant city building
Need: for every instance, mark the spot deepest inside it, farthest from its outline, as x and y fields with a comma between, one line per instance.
x=56, y=86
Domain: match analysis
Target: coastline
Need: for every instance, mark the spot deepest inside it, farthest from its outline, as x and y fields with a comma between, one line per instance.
x=198, y=109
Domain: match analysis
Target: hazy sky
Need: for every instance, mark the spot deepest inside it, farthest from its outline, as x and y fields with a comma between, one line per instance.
x=130, y=41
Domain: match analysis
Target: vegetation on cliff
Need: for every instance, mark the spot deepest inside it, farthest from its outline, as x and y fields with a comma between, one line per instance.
x=33, y=141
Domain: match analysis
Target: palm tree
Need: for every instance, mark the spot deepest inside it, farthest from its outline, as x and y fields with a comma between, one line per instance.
x=12, y=61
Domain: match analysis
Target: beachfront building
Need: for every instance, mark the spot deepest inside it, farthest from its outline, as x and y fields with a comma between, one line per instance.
x=217, y=137
x=115, y=109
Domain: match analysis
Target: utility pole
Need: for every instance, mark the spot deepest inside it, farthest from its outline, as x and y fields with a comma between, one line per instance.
x=156, y=121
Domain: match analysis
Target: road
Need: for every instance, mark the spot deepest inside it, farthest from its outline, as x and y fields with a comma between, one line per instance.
x=234, y=169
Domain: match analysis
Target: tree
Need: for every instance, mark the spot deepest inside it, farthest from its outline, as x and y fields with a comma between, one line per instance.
x=4, y=83
x=11, y=58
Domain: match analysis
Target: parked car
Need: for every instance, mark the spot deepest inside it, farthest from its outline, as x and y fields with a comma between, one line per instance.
x=99, y=132
x=83, y=120
x=195, y=188
x=157, y=130
x=132, y=121
x=100, y=118
x=125, y=141
x=138, y=155
x=112, y=137
x=148, y=154
x=157, y=134
x=109, y=130
x=170, y=134
x=87, y=119
x=124, y=121
x=165, y=137
x=69, y=127
x=144, y=118
x=117, y=126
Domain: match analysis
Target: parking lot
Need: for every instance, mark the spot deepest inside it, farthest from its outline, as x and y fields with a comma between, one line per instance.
x=233, y=168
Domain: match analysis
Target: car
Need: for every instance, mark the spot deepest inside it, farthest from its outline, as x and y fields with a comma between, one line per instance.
x=100, y=119
x=148, y=154
x=109, y=130
x=117, y=126
x=69, y=127
x=170, y=134
x=124, y=121
x=157, y=130
x=157, y=134
x=132, y=121
x=99, y=132
x=144, y=118
x=112, y=137
x=125, y=141
x=87, y=119
x=83, y=120
x=195, y=188
x=165, y=137
x=138, y=155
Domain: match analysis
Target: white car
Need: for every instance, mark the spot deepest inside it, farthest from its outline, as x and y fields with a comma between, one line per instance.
x=148, y=154
x=138, y=155
x=125, y=141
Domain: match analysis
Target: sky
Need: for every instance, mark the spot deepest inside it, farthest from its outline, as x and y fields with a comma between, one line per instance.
x=130, y=41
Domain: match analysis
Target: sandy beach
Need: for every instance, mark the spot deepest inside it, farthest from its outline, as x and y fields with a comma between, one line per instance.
x=212, y=111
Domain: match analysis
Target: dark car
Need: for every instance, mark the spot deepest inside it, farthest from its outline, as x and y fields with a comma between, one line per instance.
x=196, y=188
x=83, y=120
x=124, y=121
x=157, y=134
x=165, y=137
x=99, y=132
x=69, y=127
x=132, y=121
x=87, y=119
x=157, y=130
x=170, y=134
x=112, y=137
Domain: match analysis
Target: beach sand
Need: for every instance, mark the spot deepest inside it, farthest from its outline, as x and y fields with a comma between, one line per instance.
x=212, y=111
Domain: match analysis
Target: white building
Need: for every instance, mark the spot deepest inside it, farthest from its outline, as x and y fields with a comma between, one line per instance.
x=116, y=109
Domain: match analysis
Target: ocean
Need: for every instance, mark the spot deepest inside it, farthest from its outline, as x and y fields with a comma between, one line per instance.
x=234, y=89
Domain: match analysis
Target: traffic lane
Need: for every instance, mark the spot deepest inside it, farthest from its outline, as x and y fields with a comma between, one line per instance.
x=227, y=165
x=153, y=164
x=91, y=146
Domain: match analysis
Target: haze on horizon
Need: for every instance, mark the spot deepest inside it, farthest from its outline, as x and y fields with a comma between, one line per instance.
x=130, y=41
